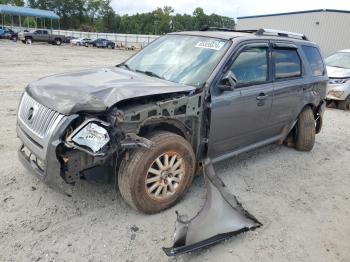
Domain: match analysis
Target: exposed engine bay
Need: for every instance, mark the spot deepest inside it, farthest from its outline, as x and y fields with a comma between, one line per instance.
x=92, y=141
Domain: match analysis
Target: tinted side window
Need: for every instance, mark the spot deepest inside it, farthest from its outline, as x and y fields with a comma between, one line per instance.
x=45, y=32
x=287, y=63
x=314, y=58
x=251, y=66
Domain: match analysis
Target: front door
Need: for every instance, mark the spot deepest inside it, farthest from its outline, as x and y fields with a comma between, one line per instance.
x=240, y=117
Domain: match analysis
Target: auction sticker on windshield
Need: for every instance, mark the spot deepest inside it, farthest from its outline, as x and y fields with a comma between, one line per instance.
x=211, y=44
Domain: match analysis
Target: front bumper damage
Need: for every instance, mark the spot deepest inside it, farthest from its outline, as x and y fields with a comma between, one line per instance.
x=221, y=217
x=338, y=92
x=63, y=161
x=31, y=151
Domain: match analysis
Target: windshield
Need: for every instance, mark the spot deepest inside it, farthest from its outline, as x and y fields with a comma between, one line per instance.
x=341, y=59
x=187, y=60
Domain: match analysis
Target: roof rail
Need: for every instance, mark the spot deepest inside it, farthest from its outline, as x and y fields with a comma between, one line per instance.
x=214, y=28
x=263, y=31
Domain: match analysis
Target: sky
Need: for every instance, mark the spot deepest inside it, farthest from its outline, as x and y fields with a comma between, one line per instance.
x=231, y=8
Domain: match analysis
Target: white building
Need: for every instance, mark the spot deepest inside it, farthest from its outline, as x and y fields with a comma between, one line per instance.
x=327, y=27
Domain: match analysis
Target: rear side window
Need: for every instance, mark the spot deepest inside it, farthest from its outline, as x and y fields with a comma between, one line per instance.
x=314, y=58
x=286, y=63
x=251, y=66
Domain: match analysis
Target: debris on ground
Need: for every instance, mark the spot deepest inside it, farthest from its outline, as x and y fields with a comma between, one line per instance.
x=221, y=217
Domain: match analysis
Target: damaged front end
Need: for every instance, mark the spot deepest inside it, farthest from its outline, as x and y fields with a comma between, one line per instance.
x=91, y=148
x=221, y=217
x=94, y=145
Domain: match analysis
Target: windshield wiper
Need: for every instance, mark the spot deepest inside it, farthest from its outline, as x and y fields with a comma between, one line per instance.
x=124, y=65
x=149, y=73
x=337, y=66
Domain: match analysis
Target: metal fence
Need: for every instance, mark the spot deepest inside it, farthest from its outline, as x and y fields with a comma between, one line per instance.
x=122, y=40
x=125, y=40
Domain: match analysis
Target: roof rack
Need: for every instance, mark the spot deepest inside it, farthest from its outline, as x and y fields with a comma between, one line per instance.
x=260, y=32
x=213, y=28
x=263, y=31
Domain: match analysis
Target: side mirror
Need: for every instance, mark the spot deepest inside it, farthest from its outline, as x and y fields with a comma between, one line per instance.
x=228, y=82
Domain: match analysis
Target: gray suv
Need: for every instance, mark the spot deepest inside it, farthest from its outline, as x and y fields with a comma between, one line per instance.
x=147, y=124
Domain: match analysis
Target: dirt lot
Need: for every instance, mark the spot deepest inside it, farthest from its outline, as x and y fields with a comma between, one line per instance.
x=301, y=198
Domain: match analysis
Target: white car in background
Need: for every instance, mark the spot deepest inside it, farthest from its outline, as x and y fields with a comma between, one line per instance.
x=338, y=68
x=80, y=41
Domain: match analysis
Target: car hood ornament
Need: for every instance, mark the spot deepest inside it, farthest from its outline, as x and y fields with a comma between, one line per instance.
x=31, y=113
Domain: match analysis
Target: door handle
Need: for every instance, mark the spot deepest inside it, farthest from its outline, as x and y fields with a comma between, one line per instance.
x=261, y=96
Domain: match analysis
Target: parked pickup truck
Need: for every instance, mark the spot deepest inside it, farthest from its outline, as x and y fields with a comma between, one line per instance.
x=41, y=35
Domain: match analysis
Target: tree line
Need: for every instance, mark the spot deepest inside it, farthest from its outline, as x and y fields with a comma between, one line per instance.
x=99, y=16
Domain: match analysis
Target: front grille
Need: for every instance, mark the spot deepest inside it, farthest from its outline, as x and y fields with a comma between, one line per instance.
x=38, y=118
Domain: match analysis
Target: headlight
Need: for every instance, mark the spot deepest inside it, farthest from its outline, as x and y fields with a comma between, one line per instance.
x=90, y=134
x=334, y=93
x=338, y=80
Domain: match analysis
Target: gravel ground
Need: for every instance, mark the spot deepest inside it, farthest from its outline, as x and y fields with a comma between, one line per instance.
x=301, y=198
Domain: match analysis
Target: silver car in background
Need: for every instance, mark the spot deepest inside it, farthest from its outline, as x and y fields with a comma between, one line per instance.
x=80, y=41
x=338, y=68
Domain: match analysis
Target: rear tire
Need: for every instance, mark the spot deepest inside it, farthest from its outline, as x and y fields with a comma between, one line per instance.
x=29, y=41
x=305, y=130
x=345, y=104
x=58, y=41
x=154, y=179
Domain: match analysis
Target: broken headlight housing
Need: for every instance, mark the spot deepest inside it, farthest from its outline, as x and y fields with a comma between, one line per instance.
x=91, y=136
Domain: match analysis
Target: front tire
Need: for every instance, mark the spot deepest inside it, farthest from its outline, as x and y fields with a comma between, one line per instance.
x=345, y=104
x=154, y=179
x=305, y=130
x=29, y=41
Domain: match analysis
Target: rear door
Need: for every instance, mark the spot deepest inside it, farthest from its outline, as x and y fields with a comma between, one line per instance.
x=38, y=35
x=289, y=82
x=45, y=36
x=240, y=117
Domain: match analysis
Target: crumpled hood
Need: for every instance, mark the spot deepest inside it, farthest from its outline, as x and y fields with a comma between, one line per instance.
x=98, y=89
x=336, y=72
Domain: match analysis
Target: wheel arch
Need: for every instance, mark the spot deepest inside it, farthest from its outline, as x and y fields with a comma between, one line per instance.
x=312, y=106
x=317, y=112
x=170, y=125
x=315, y=106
